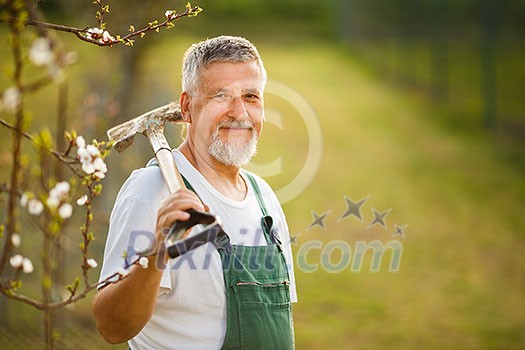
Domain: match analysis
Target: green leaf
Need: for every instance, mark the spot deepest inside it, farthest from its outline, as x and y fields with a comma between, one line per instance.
x=195, y=11
x=97, y=189
x=16, y=284
x=72, y=288
x=44, y=139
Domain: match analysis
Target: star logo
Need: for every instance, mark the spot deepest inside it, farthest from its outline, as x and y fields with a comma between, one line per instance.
x=379, y=218
x=353, y=208
x=318, y=220
x=400, y=231
x=293, y=239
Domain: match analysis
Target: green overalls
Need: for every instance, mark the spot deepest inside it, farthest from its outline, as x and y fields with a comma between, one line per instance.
x=257, y=289
x=259, y=310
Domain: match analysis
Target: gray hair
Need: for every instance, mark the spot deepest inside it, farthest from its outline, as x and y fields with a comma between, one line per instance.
x=219, y=49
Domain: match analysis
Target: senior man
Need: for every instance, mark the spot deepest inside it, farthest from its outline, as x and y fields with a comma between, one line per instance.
x=237, y=292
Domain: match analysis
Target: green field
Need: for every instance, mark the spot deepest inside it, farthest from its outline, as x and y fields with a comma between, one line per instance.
x=460, y=282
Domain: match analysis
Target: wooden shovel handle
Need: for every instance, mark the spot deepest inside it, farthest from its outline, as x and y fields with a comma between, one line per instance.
x=167, y=165
x=169, y=170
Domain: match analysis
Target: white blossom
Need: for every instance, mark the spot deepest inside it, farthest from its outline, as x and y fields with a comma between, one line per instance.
x=35, y=207
x=16, y=239
x=40, y=53
x=94, y=33
x=100, y=165
x=16, y=261
x=52, y=202
x=99, y=175
x=82, y=200
x=62, y=189
x=65, y=211
x=106, y=37
x=92, y=263
x=24, y=199
x=84, y=156
x=95, y=30
x=27, y=265
x=57, y=194
x=88, y=168
x=169, y=14
x=143, y=261
x=11, y=99
x=91, y=161
x=93, y=150
x=80, y=142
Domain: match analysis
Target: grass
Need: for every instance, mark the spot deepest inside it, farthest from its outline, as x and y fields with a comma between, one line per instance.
x=460, y=283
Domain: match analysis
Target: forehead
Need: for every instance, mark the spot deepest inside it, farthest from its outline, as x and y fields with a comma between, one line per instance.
x=231, y=75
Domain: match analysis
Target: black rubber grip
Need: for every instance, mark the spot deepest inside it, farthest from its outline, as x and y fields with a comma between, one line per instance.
x=209, y=234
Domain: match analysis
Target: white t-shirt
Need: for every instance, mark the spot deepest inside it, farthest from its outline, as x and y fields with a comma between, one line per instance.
x=191, y=310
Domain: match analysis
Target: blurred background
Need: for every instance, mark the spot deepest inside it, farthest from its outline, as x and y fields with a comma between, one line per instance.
x=420, y=108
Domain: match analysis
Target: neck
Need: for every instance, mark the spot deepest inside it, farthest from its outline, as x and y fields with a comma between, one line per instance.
x=224, y=178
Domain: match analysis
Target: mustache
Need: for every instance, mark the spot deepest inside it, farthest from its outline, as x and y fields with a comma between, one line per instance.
x=235, y=124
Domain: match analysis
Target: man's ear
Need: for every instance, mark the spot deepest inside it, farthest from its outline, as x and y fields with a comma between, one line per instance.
x=185, y=101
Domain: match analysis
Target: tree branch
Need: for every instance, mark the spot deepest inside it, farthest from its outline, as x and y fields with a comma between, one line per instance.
x=84, y=35
x=8, y=292
x=3, y=122
x=61, y=156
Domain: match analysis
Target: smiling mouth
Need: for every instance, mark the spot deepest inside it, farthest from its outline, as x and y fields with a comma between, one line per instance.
x=235, y=129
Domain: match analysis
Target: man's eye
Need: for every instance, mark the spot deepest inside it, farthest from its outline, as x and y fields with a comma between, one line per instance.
x=252, y=97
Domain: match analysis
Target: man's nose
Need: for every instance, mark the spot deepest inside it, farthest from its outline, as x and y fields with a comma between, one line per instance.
x=237, y=108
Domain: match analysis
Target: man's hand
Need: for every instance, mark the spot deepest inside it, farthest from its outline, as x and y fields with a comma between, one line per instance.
x=173, y=208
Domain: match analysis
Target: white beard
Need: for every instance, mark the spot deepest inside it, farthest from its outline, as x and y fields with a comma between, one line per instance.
x=233, y=154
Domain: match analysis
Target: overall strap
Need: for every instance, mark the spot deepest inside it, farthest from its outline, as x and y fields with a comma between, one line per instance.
x=266, y=220
x=257, y=191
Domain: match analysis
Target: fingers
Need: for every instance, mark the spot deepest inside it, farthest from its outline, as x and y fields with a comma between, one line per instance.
x=173, y=208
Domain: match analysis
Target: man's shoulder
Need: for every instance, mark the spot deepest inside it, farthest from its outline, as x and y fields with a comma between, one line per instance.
x=145, y=184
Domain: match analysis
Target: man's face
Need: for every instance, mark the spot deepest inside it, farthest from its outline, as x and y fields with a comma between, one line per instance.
x=227, y=111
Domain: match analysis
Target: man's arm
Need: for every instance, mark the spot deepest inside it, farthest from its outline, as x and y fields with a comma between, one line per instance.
x=122, y=309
